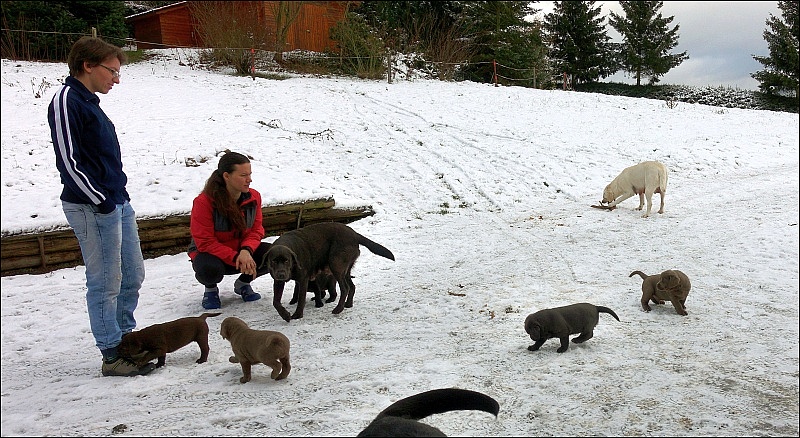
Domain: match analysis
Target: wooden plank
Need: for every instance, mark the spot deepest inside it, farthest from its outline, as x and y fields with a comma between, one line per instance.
x=57, y=249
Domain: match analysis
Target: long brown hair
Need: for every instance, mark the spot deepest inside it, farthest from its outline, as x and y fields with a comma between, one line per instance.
x=216, y=189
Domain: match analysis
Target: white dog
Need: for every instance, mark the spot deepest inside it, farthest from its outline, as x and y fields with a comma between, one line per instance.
x=642, y=179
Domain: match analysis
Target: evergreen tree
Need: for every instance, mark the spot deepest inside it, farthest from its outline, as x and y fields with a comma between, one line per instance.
x=400, y=23
x=647, y=40
x=46, y=30
x=780, y=74
x=500, y=33
x=579, y=45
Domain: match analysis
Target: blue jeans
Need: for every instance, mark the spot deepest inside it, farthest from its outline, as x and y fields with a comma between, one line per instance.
x=114, y=269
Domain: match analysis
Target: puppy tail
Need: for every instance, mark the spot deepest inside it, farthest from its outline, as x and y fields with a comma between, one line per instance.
x=375, y=248
x=602, y=309
x=438, y=401
x=208, y=315
x=641, y=274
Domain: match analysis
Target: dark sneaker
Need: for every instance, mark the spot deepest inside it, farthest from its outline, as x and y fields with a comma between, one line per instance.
x=125, y=368
x=211, y=300
x=247, y=293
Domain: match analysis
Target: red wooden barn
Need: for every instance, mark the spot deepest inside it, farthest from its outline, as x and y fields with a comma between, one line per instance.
x=174, y=25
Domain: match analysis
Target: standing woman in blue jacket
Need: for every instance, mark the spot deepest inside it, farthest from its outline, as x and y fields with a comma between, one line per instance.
x=94, y=198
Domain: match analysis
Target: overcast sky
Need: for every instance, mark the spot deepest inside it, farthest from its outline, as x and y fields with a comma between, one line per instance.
x=719, y=37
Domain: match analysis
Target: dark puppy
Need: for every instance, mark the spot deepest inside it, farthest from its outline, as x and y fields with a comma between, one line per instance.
x=672, y=285
x=302, y=254
x=560, y=322
x=251, y=347
x=324, y=282
x=159, y=339
x=400, y=418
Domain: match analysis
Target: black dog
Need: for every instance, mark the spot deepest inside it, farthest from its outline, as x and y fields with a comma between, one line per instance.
x=319, y=285
x=400, y=418
x=305, y=253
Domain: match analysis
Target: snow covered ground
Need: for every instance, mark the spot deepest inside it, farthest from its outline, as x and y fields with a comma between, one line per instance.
x=483, y=194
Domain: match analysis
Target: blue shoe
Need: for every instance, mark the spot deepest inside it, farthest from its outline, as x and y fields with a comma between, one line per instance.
x=211, y=300
x=247, y=292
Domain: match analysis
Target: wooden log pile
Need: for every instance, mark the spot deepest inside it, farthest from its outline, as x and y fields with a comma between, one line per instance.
x=36, y=253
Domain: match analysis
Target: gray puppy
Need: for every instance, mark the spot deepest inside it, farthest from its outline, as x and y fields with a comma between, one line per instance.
x=672, y=285
x=400, y=418
x=560, y=322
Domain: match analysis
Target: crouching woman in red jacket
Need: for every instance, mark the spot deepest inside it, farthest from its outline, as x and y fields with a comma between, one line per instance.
x=226, y=227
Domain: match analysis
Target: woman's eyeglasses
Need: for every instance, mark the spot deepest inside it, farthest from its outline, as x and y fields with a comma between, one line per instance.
x=114, y=73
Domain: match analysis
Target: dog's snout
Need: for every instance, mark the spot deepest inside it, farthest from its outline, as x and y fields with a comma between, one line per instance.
x=280, y=275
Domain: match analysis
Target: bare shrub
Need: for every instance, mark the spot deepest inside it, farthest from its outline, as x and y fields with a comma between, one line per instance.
x=446, y=47
x=232, y=30
x=285, y=13
x=361, y=52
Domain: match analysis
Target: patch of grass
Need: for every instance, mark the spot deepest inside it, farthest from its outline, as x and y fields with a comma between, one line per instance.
x=135, y=56
x=266, y=75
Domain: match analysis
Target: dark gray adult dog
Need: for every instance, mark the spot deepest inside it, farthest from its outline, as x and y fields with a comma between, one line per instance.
x=400, y=418
x=302, y=254
x=672, y=285
x=560, y=322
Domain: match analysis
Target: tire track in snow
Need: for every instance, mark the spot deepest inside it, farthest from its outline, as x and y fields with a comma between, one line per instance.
x=464, y=182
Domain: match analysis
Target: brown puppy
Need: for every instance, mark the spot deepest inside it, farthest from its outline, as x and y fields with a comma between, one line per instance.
x=560, y=322
x=302, y=254
x=672, y=285
x=401, y=417
x=252, y=347
x=159, y=339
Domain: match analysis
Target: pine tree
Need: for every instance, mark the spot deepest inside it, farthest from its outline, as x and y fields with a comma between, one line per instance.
x=780, y=74
x=579, y=45
x=647, y=40
x=499, y=32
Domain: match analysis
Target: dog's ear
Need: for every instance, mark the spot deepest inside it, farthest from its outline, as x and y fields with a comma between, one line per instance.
x=295, y=262
x=530, y=327
x=264, y=259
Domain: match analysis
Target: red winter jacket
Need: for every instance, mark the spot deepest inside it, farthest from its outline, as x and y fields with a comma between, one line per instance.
x=212, y=232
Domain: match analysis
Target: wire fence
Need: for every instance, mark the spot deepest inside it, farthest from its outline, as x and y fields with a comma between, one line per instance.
x=499, y=71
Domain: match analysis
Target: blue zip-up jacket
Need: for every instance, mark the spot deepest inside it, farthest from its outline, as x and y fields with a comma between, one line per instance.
x=88, y=155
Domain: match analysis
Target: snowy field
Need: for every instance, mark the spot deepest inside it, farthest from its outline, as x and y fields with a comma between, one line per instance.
x=483, y=195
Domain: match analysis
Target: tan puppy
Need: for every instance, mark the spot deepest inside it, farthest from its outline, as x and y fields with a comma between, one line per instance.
x=252, y=347
x=672, y=285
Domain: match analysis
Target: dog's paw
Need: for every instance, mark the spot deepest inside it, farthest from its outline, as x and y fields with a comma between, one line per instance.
x=285, y=315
